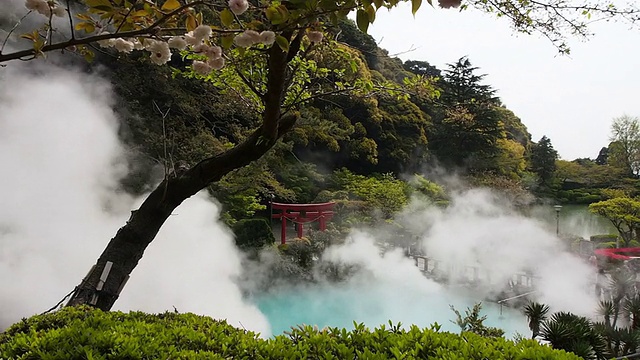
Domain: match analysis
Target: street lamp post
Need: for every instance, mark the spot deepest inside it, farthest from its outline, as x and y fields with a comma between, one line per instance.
x=271, y=197
x=558, y=208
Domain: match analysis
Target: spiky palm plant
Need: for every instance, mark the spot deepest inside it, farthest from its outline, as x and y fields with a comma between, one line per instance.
x=621, y=284
x=573, y=333
x=632, y=307
x=536, y=313
x=607, y=309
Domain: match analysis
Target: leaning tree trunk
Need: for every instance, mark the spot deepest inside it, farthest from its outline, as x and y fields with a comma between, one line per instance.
x=107, y=277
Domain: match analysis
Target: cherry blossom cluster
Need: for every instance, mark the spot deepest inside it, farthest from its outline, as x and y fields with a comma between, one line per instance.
x=198, y=40
x=160, y=51
x=46, y=8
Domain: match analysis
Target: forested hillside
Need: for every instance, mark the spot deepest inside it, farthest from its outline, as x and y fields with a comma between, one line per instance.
x=457, y=122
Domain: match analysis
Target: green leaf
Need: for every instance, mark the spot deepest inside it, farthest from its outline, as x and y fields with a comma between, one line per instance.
x=283, y=43
x=277, y=14
x=371, y=12
x=415, y=5
x=105, y=8
x=226, y=17
x=227, y=41
x=334, y=18
x=170, y=5
x=362, y=20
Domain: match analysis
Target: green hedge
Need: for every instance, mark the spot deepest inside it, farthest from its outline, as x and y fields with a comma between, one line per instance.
x=84, y=333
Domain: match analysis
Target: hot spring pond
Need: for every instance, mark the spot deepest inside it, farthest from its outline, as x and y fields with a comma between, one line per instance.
x=374, y=306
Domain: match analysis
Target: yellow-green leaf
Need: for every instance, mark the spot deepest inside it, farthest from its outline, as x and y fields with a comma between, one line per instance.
x=89, y=55
x=170, y=5
x=103, y=8
x=227, y=41
x=38, y=45
x=277, y=14
x=190, y=22
x=226, y=17
x=86, y=26
x=283, y=43
x=139, y=13
x=415, y=6
x=94, y=3
x=83, y=16
x=362, y=20
x=284, y=12
x=371, y=12
x=271, y=12
x=28, y=36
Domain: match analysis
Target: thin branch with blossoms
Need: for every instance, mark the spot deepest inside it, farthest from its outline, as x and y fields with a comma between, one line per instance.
x=152, y=29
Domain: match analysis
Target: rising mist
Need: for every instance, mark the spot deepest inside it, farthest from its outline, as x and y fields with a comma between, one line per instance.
x=61, y=204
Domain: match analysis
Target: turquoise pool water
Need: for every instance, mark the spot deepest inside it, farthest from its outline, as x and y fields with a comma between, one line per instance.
x=373, y=305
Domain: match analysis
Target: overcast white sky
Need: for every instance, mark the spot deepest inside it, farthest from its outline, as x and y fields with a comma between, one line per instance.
x=571, y=99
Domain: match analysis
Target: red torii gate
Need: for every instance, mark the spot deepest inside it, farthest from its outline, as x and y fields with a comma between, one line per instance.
x=300, y=214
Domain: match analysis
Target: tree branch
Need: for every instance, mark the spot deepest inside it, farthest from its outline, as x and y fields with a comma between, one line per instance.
x=249, y=84
x=275, y=90
x=72, y=42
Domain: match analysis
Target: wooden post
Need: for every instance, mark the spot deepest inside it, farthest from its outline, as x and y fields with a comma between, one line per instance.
x=323, y=223
x=300, y=228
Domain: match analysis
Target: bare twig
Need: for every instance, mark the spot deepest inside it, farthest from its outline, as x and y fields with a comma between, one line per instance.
x=133, y=6
x=4, y=43
x=167, y=157
x=73, y=33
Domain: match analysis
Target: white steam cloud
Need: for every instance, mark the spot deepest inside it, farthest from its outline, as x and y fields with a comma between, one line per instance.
x=480, y=230
x=59, y=206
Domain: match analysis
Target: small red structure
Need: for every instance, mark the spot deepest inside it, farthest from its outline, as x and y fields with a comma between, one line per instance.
x=301, y=214
x=619, y=253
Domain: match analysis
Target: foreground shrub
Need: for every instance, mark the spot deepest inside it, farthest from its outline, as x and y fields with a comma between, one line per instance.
x=85, y=333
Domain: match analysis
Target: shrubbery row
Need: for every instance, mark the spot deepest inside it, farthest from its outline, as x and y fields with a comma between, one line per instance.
x=85, y=333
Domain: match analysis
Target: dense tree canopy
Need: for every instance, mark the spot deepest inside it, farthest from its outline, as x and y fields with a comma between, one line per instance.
x=624, y=150
x=543, y=160
x=624, y=214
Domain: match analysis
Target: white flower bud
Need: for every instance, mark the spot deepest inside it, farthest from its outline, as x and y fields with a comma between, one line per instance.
x=267, y=37
x=238, y=7
x=177, y=42
x=201, y=67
